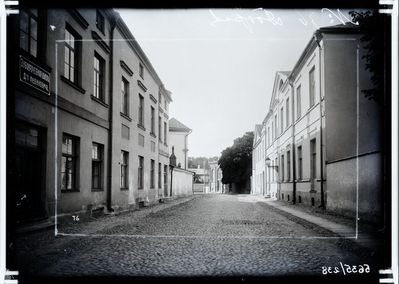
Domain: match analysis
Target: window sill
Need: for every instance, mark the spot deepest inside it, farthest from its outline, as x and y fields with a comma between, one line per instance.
x=125, y=116
x=124, y=188
x=72, y=84
x=97, y=100
x=141, y=126
x=153, y=134
x=97, y=189
x=69, y=190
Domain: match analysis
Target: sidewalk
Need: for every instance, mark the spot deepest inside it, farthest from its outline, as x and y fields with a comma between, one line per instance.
x=67, y=221
x=364, y=235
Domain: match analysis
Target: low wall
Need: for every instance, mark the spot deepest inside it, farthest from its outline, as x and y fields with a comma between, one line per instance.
x=342, y=187
x=182, y=182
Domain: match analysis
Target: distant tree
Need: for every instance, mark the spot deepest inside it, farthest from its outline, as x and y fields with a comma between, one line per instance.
x=376, y=41
x=236, y=161
x=194, y=162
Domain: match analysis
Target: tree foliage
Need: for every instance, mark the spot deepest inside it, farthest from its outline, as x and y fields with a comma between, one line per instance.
x=194, y=162
x=236, y=161
x=375, y=40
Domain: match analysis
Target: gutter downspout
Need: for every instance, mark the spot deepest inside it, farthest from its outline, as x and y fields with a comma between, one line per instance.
x=322, y=201
x=110, y=113
x=185, y=149
x=291, y=83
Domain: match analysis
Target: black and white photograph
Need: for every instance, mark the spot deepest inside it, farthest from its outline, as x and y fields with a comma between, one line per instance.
x=206, y=143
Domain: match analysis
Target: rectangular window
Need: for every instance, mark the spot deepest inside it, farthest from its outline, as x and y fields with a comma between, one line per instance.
x=165, y=133
x=282, y=120
x=268, y=136
x=282, y=167
x=152, y=120
x=276, y=169
x=97, y=153
x=311, y=87
x=125, y=97
x=69, y=162
x=100, y=21
x=275, y=126
x=124, y=170
x=159, y=175
x=299, y=162
x=98, y=82
x=141, y=140
x=125, y=132
x=141, y=110
x=28, y=31
x=152, y=180
x=140, y=176
x=313, y=159
x=71, y=56
x=287, y=112
x=288, y=165
x=298, y=102
x=141, y=71
x=160, y=128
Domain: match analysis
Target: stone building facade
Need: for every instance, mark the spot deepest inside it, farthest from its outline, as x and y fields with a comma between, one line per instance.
x=323, y=142
x=88, y=115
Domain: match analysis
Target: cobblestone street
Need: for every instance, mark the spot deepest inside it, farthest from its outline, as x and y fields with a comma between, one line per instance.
x=204, y=235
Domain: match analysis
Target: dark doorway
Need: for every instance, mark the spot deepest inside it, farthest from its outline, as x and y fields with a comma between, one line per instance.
x=165, y=180
x=313, y=163
x=29, y=156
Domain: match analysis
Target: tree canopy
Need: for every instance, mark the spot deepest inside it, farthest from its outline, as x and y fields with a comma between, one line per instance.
x=376, y=41
x=236, y=161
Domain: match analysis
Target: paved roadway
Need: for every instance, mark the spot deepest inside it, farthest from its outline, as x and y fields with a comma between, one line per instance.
x=209, y=235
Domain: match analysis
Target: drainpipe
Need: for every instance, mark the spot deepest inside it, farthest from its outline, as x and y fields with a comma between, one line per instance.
x=110, y=113
x=185, y=149
x=322, y=201
x=293, y=143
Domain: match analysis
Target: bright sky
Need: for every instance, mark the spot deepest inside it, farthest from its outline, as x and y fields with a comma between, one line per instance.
x=220, y=64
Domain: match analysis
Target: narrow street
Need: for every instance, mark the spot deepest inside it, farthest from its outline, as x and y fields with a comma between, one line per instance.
x=208, y=235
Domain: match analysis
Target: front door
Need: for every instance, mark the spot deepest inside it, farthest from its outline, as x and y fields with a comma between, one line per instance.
x=165, y=180
x=29, y=173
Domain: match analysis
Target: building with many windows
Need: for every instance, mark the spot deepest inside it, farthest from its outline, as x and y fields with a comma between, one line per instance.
x=322, y=134
x=89, y=115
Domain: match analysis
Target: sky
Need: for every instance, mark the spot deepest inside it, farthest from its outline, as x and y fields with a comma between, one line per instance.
x=220, y=64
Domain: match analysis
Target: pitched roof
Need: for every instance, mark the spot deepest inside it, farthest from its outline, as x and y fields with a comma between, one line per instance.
x=285, y=73
x=177, y=126
x=258, y=128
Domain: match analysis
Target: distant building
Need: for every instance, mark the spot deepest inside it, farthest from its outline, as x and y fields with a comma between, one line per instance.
x=258, y=179
x=178, y=135
x=201, y=179
x=215, y=176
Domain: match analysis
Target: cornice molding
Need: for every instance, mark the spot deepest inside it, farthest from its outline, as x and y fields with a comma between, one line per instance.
x=78, y=18
x=126, y=68
x=141, y=85
x=153, y=99
x=100, y=42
